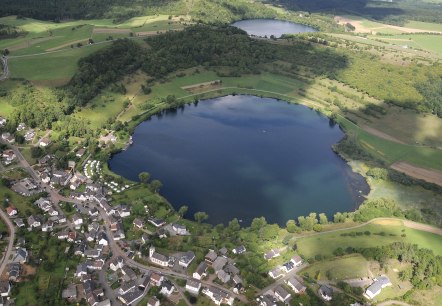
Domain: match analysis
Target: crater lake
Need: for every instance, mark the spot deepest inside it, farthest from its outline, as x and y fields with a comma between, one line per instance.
x=244, y=157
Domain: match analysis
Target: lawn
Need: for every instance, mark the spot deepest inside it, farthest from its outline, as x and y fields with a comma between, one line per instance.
x=53, y=67
x=428, y=42
x=346, y=267
x=430, y=26
x=44, y=36
x=20, y=202
x=325, y=244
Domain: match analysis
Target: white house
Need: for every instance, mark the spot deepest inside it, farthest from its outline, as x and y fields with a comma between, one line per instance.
x=167, y=288
x=297, y=260
x=326, y=292
x=218, y=296
x=275, y=273
x=11, y=211
x=77, y=220
x=44, y=142
x=186, y=259
x=200, y=271
x=193, y=286
x=116, y=263
x=157, y=258
x=375, y=288
x=282, y=294
x=296, y=286
x=179, y=229
x=273, y=253
x=239, y=250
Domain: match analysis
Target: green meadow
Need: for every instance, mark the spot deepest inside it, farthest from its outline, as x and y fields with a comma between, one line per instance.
x=345, y=267
x=46, y=36
x=382, y=233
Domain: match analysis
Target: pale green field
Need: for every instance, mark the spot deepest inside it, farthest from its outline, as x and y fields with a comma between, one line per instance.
x=346, y=267
x=54, y=68
x=428, y=42
x=44, y=35
x=325, y=244
x=424, y=25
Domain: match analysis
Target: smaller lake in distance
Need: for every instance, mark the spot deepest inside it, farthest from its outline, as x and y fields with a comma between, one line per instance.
x=268, y=27
x=244, y=157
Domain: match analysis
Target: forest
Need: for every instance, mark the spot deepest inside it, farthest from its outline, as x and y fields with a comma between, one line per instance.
x=208, y=11
x=431, y=90
x=200, y=45
x=393, y=12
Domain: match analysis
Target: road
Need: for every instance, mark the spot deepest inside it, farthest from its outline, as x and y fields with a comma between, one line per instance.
x=11, y=229
x=117, y=251
x=5, y=74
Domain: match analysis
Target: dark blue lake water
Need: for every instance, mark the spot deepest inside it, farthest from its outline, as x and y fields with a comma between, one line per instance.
x=268, y=27
x=244, y=157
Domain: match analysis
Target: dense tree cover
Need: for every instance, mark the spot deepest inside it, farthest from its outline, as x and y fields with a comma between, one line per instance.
x=207, y=46
x=209, y=11
x=199, y=45
x=102, y=68
x=63, y=9
x=431, y=90
x=35, y=107
x=394, y=12
x=9, y=31
x=426, y=270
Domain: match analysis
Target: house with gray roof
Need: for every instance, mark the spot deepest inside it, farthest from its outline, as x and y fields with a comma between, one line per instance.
x=295, y=285
x=200, y=271
x=223, y=276
x=186, y=259
x=70, y=292
x=375, y=288
x=326, y=292
x=20, y=256
x=219, y=263
x=193, y=286
x=282, y=294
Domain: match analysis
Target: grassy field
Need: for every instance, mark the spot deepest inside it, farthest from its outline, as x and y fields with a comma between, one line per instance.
x=52, y=69
x=391, y=152
x=424, y=25
x=325, y=244
x=341, y=268
x=44, y=36
x=346, y=267
x=428, y=42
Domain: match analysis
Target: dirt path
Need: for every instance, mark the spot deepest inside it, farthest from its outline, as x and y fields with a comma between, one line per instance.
x=67, y=45
x=423, y=227
x=380, y=134
x=111, y=31
x=385, y=221
x=428, y=175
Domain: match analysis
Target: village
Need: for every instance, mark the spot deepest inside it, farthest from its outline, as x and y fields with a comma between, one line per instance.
x=115, y=270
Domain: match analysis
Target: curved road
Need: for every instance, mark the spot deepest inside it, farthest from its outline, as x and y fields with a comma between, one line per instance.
x=5, y=74
x=11, y=228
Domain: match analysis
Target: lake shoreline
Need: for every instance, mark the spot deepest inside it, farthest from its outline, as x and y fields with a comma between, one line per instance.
x=355, y=204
